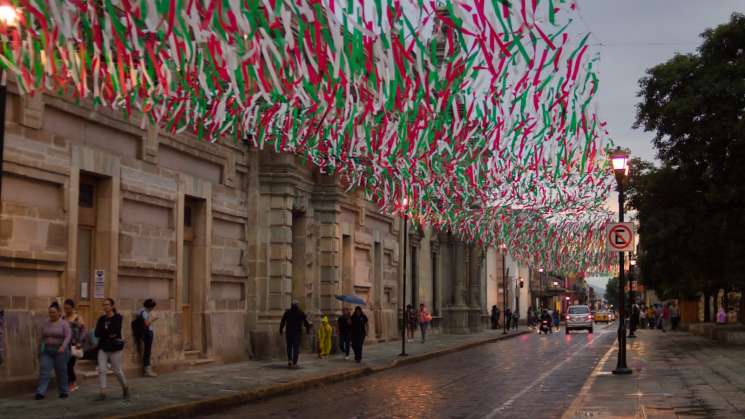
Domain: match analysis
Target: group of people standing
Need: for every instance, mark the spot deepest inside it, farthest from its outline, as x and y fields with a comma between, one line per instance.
x=657, y=316
x=511, y=318
x=352, y=328
x=65, y=339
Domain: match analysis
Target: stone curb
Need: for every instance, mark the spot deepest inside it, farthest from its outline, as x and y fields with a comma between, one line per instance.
x=211, y=404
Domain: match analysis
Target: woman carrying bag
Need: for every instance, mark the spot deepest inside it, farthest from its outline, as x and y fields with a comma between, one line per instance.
x=77, y=327
x=110, y=348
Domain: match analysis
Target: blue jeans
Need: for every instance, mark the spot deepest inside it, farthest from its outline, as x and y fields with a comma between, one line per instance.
x=50, y=360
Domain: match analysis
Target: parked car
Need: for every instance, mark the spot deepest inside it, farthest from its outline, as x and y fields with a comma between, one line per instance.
x=578, y=318
x=602, y=316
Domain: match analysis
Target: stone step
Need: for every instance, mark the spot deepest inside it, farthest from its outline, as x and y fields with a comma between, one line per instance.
x=192, y=354
x=201, y=361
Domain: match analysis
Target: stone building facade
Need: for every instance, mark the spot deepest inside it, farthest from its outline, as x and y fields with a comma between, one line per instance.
x=222, y=236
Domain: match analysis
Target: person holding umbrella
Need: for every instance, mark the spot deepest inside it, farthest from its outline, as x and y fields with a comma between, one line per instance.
x=294, y=319
x=343, y=324
x=359, y=330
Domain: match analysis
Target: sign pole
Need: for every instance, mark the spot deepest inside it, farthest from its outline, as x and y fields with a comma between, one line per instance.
x=621, y=367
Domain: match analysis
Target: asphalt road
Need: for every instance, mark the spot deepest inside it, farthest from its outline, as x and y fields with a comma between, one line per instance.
x=530, y=376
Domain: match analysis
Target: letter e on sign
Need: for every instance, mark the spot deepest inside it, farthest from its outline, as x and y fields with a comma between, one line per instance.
x=619, y=237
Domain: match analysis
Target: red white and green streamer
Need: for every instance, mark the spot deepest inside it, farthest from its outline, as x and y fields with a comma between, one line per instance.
x=478, y=111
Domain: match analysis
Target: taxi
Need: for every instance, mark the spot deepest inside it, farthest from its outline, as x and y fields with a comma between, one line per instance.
x=602, y=316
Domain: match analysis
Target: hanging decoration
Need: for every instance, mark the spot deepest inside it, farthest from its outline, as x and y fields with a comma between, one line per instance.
x=479, y=111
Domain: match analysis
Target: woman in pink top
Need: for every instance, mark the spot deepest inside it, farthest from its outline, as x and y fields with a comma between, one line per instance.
x=55, y=342
x=424, y=319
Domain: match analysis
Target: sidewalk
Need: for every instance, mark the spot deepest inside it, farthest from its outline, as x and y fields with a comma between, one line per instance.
x=675, y=375
x=184, y=393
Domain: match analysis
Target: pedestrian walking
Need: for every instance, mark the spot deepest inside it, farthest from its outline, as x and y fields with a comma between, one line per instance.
x=666, y=317
x=412, y=321
x=324, y=338
x=507, y=318
x=424, y=319
x=650, y=317
x=643, y=323
x=556, y=320
x=359, y=331
x=494, y=317
x=343, y=325
x=658, y=317
x=294, y=319
x=721, y=316
x=77, y=334
x=110, y=348
x=54, y=349
x=674, y=316
x=515, y=319
x=144, y=335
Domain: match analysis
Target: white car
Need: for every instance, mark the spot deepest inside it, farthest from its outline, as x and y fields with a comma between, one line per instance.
x=578, y=318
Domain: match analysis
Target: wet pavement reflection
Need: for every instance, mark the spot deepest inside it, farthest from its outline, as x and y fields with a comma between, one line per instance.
x=530, y=376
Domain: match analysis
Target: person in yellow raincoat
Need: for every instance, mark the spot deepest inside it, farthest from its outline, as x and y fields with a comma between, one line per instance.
x=324, y=338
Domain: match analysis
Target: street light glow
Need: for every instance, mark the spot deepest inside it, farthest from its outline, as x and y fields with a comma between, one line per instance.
x=620, y=161
x=8, y=15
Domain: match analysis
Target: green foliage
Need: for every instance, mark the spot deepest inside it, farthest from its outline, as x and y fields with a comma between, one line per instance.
x=691, y=210
x=611, y=291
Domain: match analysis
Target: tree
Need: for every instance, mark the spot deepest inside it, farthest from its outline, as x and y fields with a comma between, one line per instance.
x=611, y=291
x=691, y=210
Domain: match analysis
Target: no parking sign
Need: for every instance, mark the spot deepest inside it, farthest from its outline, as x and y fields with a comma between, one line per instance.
x=620, y=237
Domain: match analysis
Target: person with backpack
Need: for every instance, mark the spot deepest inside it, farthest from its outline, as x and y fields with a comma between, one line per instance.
x=515, y=319
x=110, y=348
x=144, y=335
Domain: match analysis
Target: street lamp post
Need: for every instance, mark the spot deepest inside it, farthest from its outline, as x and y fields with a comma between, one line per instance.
x=632, y=298
x=505, y=272
x=620, y=167
x=404, y=204
x=8, y=19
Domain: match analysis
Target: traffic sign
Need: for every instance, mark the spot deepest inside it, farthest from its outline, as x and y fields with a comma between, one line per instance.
x=620, y=237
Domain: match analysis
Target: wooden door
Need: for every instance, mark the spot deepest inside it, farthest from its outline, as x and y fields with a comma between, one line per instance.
x=186, y=297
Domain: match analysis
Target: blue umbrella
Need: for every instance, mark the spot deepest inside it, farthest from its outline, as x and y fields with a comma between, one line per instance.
x=351, y=299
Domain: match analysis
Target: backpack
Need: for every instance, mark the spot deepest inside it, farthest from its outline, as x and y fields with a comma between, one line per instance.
x=138, y=326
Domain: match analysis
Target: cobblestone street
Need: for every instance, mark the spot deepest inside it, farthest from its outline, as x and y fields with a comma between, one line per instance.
x=530, y=376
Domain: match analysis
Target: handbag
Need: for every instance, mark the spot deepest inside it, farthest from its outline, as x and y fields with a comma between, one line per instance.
x=76, y=351
x=117, y=345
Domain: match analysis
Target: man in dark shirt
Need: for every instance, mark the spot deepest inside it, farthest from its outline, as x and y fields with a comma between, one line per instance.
x=294, y=319
x=358, y=331
x=343, y=325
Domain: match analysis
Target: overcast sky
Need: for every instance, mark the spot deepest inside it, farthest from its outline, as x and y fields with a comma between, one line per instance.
x=638, y=34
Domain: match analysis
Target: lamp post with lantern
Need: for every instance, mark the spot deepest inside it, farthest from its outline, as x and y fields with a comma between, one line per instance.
x=505, y=271
x=620, y=160
x=8, y=19
x=404, y=314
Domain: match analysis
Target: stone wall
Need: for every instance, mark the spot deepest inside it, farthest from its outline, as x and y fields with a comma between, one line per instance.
x=222, y=236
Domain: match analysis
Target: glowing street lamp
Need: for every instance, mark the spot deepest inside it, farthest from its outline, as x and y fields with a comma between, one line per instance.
x=8, y=15
x=620, y=161
x=503, y=250
x=8, y=19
